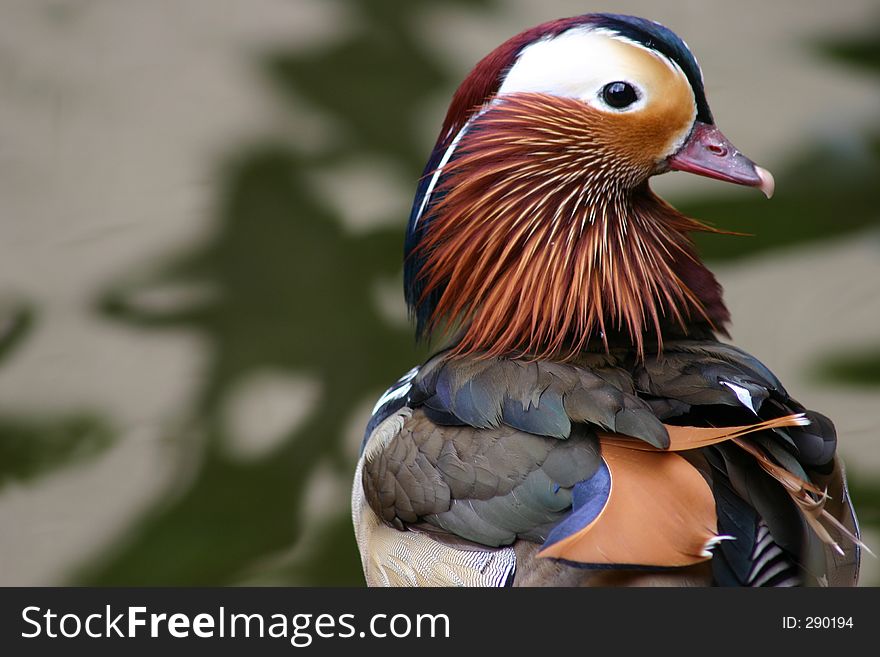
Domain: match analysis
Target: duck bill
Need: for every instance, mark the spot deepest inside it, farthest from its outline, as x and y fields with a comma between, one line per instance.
x=709, y=153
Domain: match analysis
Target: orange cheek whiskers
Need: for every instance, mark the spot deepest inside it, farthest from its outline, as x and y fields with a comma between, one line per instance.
x=539, y=244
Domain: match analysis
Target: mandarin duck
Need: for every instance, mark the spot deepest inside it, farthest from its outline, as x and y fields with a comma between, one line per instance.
x=585, y=425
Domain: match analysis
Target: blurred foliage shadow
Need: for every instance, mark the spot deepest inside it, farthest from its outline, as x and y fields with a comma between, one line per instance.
x=858, y=366
x=294, y=292
x=31, y=444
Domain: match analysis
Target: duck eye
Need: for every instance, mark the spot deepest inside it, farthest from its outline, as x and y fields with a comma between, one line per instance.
x=619, y=94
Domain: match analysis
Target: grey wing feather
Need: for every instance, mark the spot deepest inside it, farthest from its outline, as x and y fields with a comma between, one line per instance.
x=541, y=398
x=490, y=486
x=492, y=447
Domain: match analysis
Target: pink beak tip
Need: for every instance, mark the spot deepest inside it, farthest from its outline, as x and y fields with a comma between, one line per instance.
x=768, y=185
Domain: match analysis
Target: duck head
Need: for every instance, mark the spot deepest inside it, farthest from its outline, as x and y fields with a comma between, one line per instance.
x=534, y=229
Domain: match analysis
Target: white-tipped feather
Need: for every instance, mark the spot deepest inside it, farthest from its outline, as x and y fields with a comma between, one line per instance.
x=744, y=396
x=712, y=542
x=399, y=389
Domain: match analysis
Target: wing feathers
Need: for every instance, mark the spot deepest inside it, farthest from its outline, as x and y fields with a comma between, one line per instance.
x=701, y=442
x=646, y=521
x=683, y=438
x=542, y=398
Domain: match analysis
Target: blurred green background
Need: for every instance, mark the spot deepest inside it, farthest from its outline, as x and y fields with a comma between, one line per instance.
x=201, y=221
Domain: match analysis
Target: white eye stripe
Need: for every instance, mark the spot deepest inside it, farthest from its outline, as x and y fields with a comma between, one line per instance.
x=578, y=64
x=619, y=37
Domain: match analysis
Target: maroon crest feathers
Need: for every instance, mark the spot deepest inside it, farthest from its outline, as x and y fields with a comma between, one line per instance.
x=485, y=79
